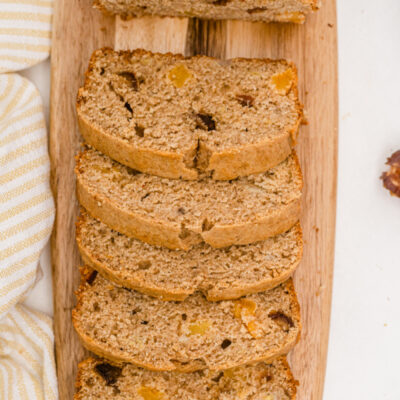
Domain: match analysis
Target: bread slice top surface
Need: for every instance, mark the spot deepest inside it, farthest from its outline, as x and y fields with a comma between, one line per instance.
x=196, y=205
x=253, y=10
x=174, y=274
x=98, y=379
x=189, y=107
x=127, y=326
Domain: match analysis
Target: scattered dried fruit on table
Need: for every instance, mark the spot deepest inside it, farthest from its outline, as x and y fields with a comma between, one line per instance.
x=391, y=178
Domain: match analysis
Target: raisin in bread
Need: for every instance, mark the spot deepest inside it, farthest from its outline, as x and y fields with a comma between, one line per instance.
x=175, y=274
x=169, y=116
x=98, y=379
x=251, y=10
x=180, y=214
x=126, y=326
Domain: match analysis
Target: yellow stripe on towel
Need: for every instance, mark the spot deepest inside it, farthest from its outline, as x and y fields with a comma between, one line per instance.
x=25, y=33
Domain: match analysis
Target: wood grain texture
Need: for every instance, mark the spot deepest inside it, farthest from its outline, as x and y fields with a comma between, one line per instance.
x=78, y=30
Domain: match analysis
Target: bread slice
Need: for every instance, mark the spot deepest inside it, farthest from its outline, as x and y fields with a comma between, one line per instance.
x=98, y=379
x=251, y=10
x=173, y=117
x=220, y=274
x=180, y=214
x=126, y=326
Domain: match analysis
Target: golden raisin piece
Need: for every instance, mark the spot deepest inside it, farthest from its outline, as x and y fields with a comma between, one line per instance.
x=179, y=75
x=255, y=329
x=199, y=328
x=244, y=307
x=283, y=81
x=149, y=393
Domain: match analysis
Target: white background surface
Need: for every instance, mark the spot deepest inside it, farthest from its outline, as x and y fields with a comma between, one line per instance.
x=364, y=349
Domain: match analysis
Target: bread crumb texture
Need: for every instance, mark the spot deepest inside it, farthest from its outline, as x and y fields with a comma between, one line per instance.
x=127, y=326
x=174, y=274
x=98, y=379
x=188, y=117
x=252, y=10
x=181, y=214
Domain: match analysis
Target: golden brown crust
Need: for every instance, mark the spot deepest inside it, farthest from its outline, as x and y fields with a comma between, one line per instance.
x=150, y=161
x=223, y=165
x=290, y=377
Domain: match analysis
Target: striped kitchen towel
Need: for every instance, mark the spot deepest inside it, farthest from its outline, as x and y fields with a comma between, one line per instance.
x=25, y=33
x=26, y=219
x=27, y=367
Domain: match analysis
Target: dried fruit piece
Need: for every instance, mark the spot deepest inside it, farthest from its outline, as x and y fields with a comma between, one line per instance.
x=205, y=122
x=199, y=328
x=391, y=179
x=281, y=319
x=130, y=79
x=245, y=100
x=255, y=329
x=226, y=343
x=91, y=278
x=283, y=81
x=139, y=130
x=244, y=307
x=179, y=75
x=108, y=372
x=149, y=393
x=245, y=310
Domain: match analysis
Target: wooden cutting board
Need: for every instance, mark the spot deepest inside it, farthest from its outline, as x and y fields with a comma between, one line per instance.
x=78, y=30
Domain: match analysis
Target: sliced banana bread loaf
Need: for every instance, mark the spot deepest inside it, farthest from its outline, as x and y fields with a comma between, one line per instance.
x=126, y=326
x=174, y=274
x=98, y=379
x=253, y=10
x=174, y=117
x=180, y=214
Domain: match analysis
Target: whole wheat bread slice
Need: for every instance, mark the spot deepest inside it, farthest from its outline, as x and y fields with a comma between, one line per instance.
x=180, y=214
x=175, y=274
x=126, y=326
x=169, y=116
x=98, y=379
x=251, y=10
